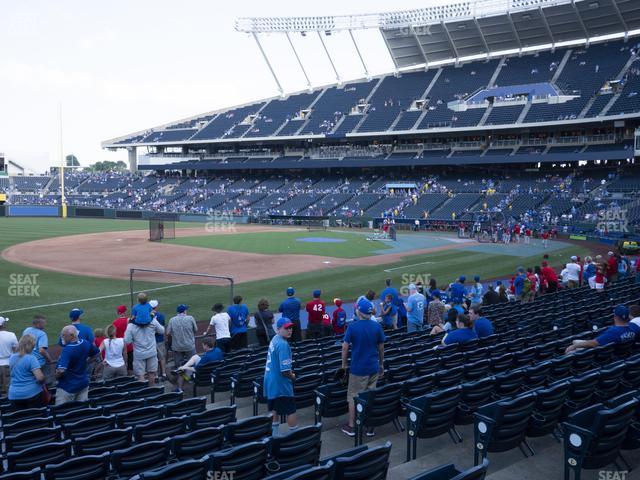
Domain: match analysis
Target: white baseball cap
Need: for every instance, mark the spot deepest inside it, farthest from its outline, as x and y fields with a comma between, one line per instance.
x=3, y=320
x=154, y=303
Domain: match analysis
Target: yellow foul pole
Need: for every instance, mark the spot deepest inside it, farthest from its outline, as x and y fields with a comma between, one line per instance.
x=63, y=200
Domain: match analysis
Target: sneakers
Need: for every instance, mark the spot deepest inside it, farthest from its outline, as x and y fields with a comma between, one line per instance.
x=347, y=430
x=177, y=390
x=370, y=432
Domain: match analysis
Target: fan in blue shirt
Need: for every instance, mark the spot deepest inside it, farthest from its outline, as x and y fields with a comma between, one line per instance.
x=462, y=334
x=72, y=364
x=482, y=326
x=366, y=338
x=239, y=314
x=458, y=290
x=84, y=331
x=621, y=331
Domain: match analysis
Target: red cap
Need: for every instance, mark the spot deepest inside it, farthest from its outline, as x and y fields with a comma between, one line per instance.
x=121, y=309
x=545, y=263
x=337, y=302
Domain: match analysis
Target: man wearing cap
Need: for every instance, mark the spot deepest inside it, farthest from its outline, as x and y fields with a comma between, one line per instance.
x=518, y=283
x=458, y=291
x=573, y=273
x=181, y=335
x=290, y=309
x=415, y=309
x=550, y=276
x=145, y=353
x=279, y=377
x=71, y=371
x=219, y=325
x=121, y=323
x=160, y=345
x=8, y=346
x=41, y=350
x=84, y=331
x=621, y=331
x=315, y=310
x=366, y=339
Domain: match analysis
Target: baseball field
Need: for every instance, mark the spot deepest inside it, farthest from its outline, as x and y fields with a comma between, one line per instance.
x=49, y=266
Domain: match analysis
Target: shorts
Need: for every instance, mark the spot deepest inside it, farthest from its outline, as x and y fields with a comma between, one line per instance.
x=63, y=396
x=282, y=405
x=359, y=384
x=162, y=351
x=145, y=365
x=180, y=358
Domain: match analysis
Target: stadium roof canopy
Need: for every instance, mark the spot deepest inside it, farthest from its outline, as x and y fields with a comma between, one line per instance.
x=469, y=28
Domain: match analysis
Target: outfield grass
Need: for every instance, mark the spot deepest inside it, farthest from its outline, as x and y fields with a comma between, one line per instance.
x=354, y=245
x=346, y=282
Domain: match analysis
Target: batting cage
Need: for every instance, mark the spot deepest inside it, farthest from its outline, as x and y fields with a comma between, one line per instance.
x=487, y=225
x=199, y=291
x=161, y=228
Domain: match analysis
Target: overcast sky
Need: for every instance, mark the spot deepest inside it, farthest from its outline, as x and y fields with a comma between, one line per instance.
x=121, y=66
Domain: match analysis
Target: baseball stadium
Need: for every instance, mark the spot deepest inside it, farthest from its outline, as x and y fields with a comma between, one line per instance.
x=430, y=274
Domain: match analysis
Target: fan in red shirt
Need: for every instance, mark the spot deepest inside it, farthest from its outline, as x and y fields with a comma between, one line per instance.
x=339, y=322
x=545, y=239
x=527, y=236
x=316, y=309
x=121, y=325
x=612, y=268
x=516, y=233
x=550, y=276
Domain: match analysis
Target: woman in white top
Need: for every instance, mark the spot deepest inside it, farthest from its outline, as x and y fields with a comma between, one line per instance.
x=219, y=326
x=115, y=355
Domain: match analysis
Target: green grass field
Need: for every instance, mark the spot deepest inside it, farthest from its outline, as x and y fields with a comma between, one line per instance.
x=58, y=293
x=274, y=243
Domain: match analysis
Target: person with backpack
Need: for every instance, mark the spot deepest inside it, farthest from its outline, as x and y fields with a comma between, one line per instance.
x=339, y=320
x=264, y=322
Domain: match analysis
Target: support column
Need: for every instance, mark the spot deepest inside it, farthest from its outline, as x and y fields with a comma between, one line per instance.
x=266, y=59
x=295, y=53
x=326, y=50
x=364, y=65
x=133, y=159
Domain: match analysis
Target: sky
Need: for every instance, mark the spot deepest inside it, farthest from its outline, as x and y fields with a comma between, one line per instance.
x=121, y=66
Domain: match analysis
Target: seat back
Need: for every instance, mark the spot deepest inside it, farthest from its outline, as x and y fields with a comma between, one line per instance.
x=372, y=464
x=509, y=425
x=31, y=438
x=247, y=461
x=79, y=468
x=119, y=408
x=322, y=472
x=25, y=425
x=331, y=400
x=213, y=417
x=304, y=389
x=34, y=474
x=109, y=399
x=301, y=447
x=476, y=369
x=418, y=386
x=186, y=407
x=160, y=429
x=148, y=392
x=33, y=457
x=548, y=409
x=196, y=444
x=140, y=457
x=536, y=375
x=184, y=470
x=139, y=416
x=450, y=472
x=510, y=383
x=24, y=414
x=67, y=407
x=248, y=430
x=164, y=399
x=100, y=442
x=437, y=412
x=89, y=426
x=379, y=406
x=472, y=396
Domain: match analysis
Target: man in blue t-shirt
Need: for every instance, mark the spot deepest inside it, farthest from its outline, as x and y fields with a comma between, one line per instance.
x=458, y=291
x=239, y=315
x=621, y=331
x=518, y=283
x=462, y=334
x=415, y=309
x=482, y=326
x=211, y=354
x=84, y=331
x=290, y=309
x=71, y=372
x=279, y=377
x=389, y=290
x=366, y=340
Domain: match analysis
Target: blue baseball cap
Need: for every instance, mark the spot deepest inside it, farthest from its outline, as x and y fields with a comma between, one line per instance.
x=182, y=308
x=622, y=312
x=365, y=306
x=290, y=291
x=462, y=278
x=75, y=313
x=316, y=293
x=284, y=322
x=476, y=278
x=436, y=294
x=499, y=282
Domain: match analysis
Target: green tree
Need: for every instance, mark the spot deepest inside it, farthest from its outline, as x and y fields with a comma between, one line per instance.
x=108, y=166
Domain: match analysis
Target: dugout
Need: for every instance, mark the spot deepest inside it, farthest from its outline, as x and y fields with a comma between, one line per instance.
x=312, y=223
